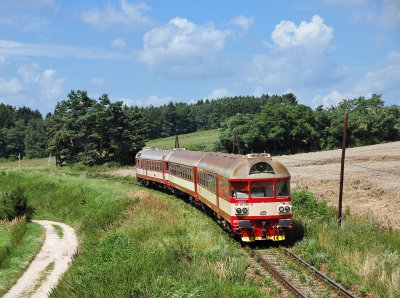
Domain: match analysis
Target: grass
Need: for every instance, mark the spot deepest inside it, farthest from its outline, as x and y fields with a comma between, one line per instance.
x=20, y=256
x=137, y=242
x=203, y=140
x=59, y=231
x=361, y=255
x=39, y=281
x=133, y=241
x=10, y=236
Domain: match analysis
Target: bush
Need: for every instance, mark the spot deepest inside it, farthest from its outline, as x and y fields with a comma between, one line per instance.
x=15, y=205
x=307, y=205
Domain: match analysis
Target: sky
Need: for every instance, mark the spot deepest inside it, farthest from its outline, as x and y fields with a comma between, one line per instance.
x=158, y=51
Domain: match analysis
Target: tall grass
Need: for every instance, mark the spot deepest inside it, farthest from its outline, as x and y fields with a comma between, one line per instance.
x=149, y=252
x=135, y=242
x=21, y=254
x=11, y=233
x=361, y=255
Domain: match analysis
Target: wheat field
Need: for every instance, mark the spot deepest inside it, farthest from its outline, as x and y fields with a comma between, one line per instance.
x=371, y=179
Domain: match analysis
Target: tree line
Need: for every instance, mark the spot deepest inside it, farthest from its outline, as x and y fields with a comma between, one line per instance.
x=284, y=128
x=93, y=132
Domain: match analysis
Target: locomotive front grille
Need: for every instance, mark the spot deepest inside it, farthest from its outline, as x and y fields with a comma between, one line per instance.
x=283, y=223
x=245, y=224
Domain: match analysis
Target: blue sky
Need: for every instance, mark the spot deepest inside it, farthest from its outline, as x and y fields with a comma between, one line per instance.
x=154, y=52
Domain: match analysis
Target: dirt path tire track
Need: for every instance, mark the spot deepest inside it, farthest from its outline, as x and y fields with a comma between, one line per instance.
x=36, y=282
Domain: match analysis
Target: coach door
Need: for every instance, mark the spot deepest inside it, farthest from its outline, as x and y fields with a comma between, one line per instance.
x=166, y=172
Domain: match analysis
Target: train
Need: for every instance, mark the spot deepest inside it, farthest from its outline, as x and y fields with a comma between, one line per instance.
x=248, y=195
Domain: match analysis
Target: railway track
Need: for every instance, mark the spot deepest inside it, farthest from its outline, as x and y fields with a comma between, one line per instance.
x=298, y=278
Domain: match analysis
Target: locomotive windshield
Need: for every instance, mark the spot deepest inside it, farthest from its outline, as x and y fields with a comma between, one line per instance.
x=262, y=189
x=240, y=190
x=283, y=188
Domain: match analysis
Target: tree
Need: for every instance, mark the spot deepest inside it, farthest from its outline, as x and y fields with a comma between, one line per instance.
x=94, y=132
x=36, y=138
x=7, y=116
x=250, y=137
x=14, y=139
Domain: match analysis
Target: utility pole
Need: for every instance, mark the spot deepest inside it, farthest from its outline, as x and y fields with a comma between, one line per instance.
x=176, y=142
x=236, y=140
x=340, y=217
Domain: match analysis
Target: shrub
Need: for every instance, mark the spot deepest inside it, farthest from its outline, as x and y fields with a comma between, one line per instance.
x=307, y=205
x=15, y=205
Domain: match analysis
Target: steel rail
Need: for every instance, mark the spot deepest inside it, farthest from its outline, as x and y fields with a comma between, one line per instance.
x=343, y=291
x=280, y=277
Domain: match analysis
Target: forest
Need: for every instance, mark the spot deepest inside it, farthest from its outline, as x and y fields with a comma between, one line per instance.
x=98, y=131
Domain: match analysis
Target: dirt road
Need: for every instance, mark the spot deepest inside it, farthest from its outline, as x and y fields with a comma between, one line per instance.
x=48, y=266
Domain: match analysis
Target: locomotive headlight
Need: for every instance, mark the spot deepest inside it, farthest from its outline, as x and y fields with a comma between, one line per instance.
x=245, y=210
x=287, y=208
x=238, y=210
x=281, y=209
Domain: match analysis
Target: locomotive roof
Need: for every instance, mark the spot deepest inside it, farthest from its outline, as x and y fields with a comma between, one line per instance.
x=155, y=154
x=239, y=166
x=232, y=166
x=186, y=157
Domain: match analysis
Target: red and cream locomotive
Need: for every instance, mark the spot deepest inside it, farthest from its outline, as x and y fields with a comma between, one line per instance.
x=248, y=194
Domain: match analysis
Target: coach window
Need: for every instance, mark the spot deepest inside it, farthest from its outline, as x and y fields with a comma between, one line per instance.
x=283, y=188
x=240, y=190
x=262, y=189
x=166, y=166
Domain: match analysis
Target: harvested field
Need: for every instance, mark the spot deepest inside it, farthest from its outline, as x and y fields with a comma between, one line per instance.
x=371, y=179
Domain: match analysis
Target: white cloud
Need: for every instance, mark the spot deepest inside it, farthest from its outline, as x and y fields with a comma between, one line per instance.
x=382, y=13
x=97, y=83
x=299, y=56
x=309, y=35
x=218, y=93
x=332, y=99
x=156, y=101
x=13, y=86
x=382, y=79
x=390, y=16
x=153, y=100
x=14, y=48
x=130, y=102
x=384, y=76
x=183, y=49
x=258, y=91
x=129, y=15
x=4, y=65
x=243, y=22
x=119, y=44
x=49, y=86
x=38, y=88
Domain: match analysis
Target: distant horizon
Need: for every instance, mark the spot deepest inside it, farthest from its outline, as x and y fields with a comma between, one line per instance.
x=194, y=103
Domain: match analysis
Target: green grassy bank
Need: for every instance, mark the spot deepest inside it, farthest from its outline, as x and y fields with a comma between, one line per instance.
x=202, y=140
x=136, y=242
